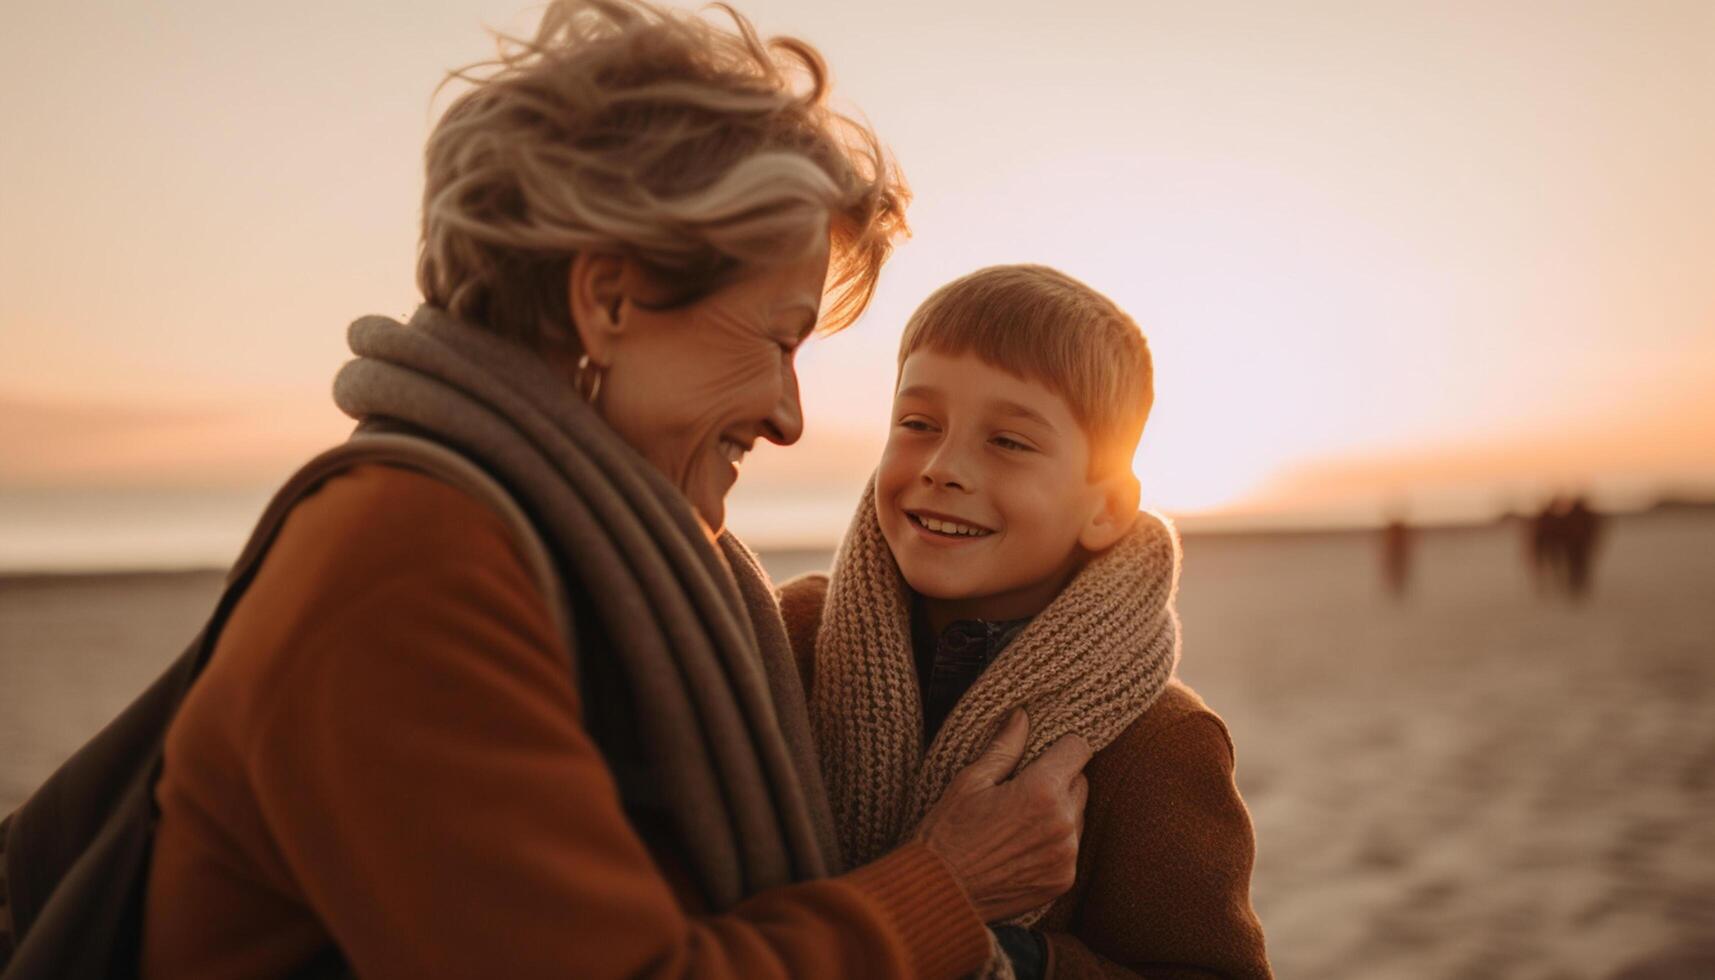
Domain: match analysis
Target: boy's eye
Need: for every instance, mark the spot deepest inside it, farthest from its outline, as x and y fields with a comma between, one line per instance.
x=915, y=425
x=1011, y=444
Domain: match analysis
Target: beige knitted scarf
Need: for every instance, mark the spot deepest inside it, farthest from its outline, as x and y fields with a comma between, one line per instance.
x=1091, y=663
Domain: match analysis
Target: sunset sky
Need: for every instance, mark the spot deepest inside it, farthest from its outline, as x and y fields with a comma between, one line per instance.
x=1439, y=255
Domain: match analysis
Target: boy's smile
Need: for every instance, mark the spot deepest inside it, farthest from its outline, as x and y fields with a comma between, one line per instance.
x=954, y=530
x=983, y=492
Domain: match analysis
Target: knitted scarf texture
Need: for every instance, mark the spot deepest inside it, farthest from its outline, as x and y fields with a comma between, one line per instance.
x=696, y=630
x=1091, y=663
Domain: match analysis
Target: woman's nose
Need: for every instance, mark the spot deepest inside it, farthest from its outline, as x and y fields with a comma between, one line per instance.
x=786, y=422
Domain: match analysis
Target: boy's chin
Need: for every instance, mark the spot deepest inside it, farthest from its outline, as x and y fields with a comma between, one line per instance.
x=935, y=573
x=939, y=584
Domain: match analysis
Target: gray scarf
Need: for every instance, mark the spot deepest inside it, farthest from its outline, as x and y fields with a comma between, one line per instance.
x=696, y=631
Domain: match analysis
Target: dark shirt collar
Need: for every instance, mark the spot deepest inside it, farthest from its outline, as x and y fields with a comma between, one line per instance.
x=948, y=664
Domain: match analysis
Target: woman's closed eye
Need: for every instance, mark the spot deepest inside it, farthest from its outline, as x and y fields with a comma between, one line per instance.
x=794, y=337
x=787, y=341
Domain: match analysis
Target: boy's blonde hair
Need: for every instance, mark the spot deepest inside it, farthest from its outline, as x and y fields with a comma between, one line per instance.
x=625, y=127
x=1045, y=326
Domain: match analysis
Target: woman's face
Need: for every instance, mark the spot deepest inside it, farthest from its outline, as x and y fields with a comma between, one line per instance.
x=692, y=389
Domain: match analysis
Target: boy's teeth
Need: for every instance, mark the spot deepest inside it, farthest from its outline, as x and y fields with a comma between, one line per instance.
x=949, y=527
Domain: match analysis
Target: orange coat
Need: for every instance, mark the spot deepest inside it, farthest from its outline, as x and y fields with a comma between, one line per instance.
x=385, y=756
x=1164, y=865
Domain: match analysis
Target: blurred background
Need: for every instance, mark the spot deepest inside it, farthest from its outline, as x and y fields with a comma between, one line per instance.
x=1430, y=289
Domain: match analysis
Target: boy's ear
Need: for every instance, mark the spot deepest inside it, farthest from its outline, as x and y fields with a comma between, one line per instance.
x=595, y=296
x=1120, y=494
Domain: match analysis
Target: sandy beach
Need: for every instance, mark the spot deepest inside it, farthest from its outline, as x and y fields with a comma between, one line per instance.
x=1473, y=781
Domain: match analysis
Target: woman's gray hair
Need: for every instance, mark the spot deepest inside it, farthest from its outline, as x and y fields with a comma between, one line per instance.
x=632, y=129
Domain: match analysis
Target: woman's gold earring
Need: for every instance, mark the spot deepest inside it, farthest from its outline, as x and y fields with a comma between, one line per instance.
x=589, y=378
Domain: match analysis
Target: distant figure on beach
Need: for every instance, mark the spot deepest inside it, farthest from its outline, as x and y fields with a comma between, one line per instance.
x=1564, y=537
x=1397, y=541
x=1581, y=528
x=1544, y=551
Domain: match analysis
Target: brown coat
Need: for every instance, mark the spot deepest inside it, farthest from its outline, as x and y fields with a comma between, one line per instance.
x=386, y=755
x=1163, y=885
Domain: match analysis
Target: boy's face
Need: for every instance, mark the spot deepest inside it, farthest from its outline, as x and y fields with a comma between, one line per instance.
x=983, y=492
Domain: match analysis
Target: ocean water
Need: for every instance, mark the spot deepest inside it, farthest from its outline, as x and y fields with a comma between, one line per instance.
x=141, y=529
x=125, y=529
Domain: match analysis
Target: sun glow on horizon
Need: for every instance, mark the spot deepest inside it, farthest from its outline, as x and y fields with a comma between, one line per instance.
x=1378, y=250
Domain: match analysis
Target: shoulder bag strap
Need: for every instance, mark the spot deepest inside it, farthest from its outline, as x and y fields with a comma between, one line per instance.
x=433, y=459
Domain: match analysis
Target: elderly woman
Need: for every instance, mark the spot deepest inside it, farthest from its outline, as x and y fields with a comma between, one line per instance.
x=406, y=757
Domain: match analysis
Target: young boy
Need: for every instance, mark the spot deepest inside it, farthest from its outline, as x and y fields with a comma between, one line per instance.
x=999, y=561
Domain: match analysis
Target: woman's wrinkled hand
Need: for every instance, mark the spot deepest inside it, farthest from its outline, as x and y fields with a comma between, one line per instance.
x=1012, y=840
